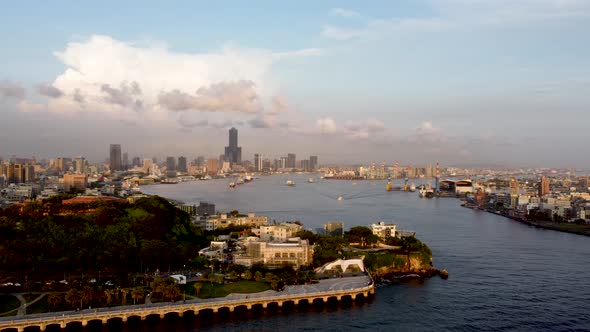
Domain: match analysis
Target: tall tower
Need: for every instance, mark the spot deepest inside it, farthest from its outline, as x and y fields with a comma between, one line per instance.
x=115, y=157
x=544, y=186
x=233, y=152
x=437, y=178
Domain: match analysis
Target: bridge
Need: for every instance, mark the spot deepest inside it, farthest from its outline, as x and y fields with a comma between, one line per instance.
x=335, y=289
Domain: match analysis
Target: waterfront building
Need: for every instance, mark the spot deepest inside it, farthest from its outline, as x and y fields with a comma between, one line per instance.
x=283, y=162
x=305, y=165
x=257, y=162
x=233, y=152
x=296, y=253
x=205, y=209
x=313, y=163
x=77, y=182
x=170, y=164
x=182, y=167
x=212, y=166
x=148, y=165
x=291, y=160
x=383, y=230
x=115, y=158
x=514, y=187
x=281, y=232
x=335, y=228
x=544, y=186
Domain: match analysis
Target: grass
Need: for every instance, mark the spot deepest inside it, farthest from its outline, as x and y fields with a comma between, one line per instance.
x=209, y=290
x=8, y=303
x=30, y=297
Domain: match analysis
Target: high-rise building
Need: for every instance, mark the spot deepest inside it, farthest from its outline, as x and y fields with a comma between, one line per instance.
x=148, y=165
x=233, y=153
x=305, y=165
x=19, y=173
x=313, y=163
x=200, y=161
x=115, y=157
x=63, y=163
x=182, y=167
x=77, y=182
x=125, y=161
x=170, y=164
x=283, y=162
x=29, y=173
x=212, y=166
x=291, y=160
x=514, y=187
x=544, y=186
x=80, y=165
x=135, y=162
x=257, y=162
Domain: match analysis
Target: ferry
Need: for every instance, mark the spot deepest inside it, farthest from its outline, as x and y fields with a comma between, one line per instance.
x=169, y=181
x=232, y=185
x=291, y=183
x=339, y=198
x=247, y=178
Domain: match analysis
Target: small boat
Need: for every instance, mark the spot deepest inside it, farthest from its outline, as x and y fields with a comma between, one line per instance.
x=247, y=178
x=291, y=183
x=310, y=180
x=412, y=187
x=422, y=191
x=339, y=198
x=388, y=186
x=240, y=181
x=232, y=185
x=429, y=193
x=169, y=181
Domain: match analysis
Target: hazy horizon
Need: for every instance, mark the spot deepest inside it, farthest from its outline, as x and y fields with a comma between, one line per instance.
x=463, y=82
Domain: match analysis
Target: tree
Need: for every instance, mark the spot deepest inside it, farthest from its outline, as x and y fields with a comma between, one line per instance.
x=247, y=275
x=233, y=275
x=197, y=286
x=136, y=294
x=358, y=234
x=124, y=292
x=171, y=292
x=54, y=299
x=258, y=276
x=73, y=296
x=109, y=294
x=86, y=295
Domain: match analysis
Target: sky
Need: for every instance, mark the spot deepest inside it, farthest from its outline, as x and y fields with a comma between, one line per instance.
x=464, y=82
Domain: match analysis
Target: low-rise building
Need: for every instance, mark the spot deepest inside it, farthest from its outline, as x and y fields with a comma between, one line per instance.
x=281, y=232
x=383, y=230
x=211, y=223
x=295, y=252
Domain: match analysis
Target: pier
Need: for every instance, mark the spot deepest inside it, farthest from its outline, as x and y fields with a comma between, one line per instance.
x=327, y=290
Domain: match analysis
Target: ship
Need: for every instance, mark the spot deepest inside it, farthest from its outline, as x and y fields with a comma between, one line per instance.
x=247, y=178
x=340, y=198
x=389, y=186
x=232, y=185
x=310, y=180
x=422, y=191
x=169, y=181
x=240, y=181
x=291, y=183
x=412, y=187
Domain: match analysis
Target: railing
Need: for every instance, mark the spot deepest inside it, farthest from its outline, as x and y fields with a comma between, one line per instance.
x=144, y=310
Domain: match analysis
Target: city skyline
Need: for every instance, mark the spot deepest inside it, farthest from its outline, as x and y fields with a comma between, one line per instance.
x=471, y=83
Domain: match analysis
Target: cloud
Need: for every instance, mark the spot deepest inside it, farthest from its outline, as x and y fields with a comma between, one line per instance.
x=376, y=28
x=259, y=123
x=49, y=90
x=326, y=125
x=9, y=89
x=28, y=107
x=237, y=96
x=124, y=96
x=427, y=128
x=346, y=13
x=375, y=125
x=279, y=104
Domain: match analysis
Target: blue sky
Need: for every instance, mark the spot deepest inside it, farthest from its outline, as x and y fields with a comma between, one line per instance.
x=464, y=82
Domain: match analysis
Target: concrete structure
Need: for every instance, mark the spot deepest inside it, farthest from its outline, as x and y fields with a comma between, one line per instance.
x=313, y=163
x=214, y=222
x=281, y=232
x=333, y=290
x=343, y=265
x=544, y=186
x=383, y=230
x=335, y=228
x=296, y=252
x=291, y=160
x=78, y=182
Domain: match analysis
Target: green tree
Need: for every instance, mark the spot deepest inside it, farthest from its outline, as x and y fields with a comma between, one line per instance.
x=54, y=299
x=86, y=295
x=197, y=286
x=247, y=275
x=258, y=276
x=73, y=297
x=137, y=294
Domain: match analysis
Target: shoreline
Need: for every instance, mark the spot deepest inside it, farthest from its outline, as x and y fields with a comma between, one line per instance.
x=549, y=226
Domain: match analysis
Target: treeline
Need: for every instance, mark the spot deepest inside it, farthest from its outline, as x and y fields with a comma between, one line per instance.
x=48, y=238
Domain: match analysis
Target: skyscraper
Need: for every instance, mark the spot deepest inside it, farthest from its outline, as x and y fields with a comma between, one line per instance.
x=257, y=162
x=80, y=165
x=182, y=167
x=170, y=164
x=313, y=163
x=233, y=153
x=291, y=160
x=514, y=187
x=125, y=161
x=115, y=157
x=543, y=186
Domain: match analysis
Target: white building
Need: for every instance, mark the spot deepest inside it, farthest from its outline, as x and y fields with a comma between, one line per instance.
x=383, y=230
x=223, y=220
x=296, y=252
x=280, y=233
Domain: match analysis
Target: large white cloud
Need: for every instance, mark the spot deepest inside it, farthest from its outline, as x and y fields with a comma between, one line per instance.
x=120, y=79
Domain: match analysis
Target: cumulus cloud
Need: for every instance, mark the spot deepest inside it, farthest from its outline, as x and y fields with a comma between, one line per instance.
x=49, y=90
x=115, y=79
x=9, y=89
x=237, y=96
x=279, y=104
x=427, y=128
x=327, y=125
x=375, y=125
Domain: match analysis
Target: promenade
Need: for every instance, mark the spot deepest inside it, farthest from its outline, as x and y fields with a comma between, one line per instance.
x=336, y=288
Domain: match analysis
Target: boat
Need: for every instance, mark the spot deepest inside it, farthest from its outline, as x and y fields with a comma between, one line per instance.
x=310, y=180
x=422, y=191
x=240, y=181
x=412, y=187
x=429, y=193
x=340, y=198
x=388, y=186
x=291, y=183
x=232, y=185
x=247, y=178
x=169, y=181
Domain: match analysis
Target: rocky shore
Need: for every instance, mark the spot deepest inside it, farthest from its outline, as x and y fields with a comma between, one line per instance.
x=415, y=270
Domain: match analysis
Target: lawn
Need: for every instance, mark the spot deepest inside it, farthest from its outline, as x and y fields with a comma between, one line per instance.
x=211, y=290
x=7, y=303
